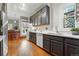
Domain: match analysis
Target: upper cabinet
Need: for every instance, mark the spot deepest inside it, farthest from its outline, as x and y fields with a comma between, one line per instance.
x=0, y=23
x=41, y=17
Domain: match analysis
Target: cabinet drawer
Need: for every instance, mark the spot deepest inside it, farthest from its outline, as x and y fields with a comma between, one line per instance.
x=46, y=36
x=52, y=37
x=56, y=38
x=72, y=41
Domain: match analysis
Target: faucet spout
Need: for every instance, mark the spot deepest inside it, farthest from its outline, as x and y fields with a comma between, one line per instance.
x=56, y=29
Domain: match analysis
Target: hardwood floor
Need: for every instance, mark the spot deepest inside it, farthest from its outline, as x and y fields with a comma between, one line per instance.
x=22, y=47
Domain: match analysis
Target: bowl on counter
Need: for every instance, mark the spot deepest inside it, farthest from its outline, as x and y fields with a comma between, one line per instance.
x=75, y=33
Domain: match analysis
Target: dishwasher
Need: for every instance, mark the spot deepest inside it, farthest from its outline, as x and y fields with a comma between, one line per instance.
x=39, y=40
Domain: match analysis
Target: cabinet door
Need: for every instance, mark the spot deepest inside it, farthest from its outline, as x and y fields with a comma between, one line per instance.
x=30, y=19
x=1, y=48
x=45, y=15
x=71, y=50
x=33, y=37
x=57, y=48
x=46, y=44
x=0, y=23
x=36, y=20
x=0, y=27
x=39, y=20
x=33, y=20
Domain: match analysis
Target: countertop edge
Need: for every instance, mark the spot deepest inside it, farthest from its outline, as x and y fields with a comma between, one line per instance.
x=61, y=35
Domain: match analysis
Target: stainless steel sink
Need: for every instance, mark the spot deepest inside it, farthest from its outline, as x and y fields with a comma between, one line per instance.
x=54, y=33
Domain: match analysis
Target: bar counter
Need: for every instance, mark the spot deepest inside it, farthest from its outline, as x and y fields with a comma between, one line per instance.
x=13, y=34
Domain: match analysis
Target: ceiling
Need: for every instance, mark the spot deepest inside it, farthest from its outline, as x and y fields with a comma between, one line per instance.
x=15, y=10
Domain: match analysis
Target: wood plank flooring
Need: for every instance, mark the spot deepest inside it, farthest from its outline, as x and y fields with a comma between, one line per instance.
x=22, y=47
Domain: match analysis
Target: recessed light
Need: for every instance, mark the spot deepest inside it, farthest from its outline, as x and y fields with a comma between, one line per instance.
x=22, y=6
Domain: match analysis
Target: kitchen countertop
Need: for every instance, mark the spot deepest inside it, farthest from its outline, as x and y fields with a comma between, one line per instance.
x=58, y=34
x=13, y=30
x=64, y=35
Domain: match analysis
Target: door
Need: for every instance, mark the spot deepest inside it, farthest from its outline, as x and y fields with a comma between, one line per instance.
x=57, y=48
x=71, y=50
x=46, y=44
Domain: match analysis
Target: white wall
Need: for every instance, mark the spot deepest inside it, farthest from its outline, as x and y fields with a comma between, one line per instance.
x=57, y=15
x=51, y=16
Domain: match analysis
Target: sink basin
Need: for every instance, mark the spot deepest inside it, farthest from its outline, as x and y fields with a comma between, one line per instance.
x=54, y=33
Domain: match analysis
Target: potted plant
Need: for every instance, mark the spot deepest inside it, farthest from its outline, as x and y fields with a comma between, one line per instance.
x=75, y=31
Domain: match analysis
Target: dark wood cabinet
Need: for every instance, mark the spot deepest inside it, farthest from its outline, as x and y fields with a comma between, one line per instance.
x=71, y=47
x=45, y=15
x=32, y=37
x=1, y=33
x=0, y=23
x=58, y=45
x=56, y=48
x=1, y=47
x=53, y=44
x=41, y=17
x=46, y=44
x=71, y=50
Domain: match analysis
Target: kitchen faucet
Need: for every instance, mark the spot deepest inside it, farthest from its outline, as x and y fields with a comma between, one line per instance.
x=56, y=29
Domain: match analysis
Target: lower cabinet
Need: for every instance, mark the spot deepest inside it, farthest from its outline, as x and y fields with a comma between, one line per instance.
x=46, y=44
x=59, y=46
x=56, y=48
x=71, y=50
x=32, y=37
x=52, y=44
x=1, y=47
x=71, y=47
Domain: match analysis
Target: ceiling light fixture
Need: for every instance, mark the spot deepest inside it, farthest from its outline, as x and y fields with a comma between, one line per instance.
x=22, y=6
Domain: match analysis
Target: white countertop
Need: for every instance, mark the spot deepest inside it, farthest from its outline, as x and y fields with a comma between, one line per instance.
x=65, y=35
x=58, y=34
